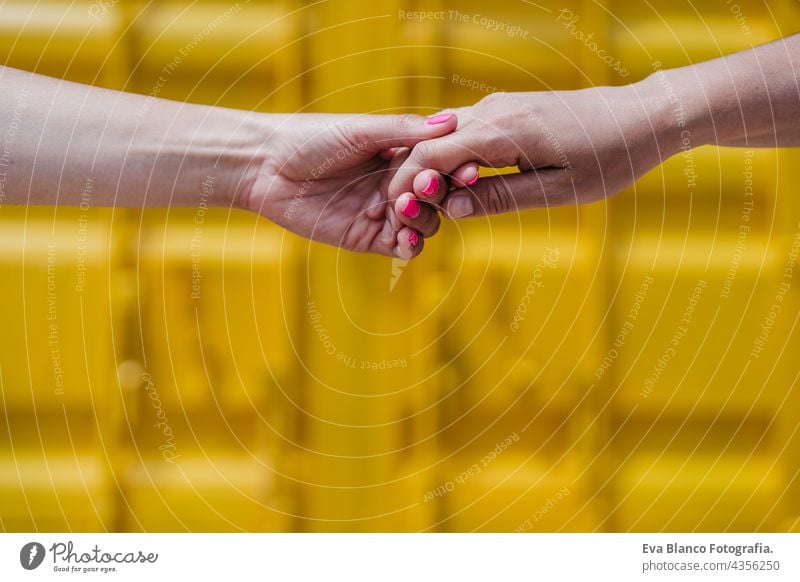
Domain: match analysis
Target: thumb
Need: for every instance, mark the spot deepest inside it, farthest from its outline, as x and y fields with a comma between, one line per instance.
x=382, y=132
x=511, y=192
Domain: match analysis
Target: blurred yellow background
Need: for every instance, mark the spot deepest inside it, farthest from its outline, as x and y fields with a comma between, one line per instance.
x=615, y=367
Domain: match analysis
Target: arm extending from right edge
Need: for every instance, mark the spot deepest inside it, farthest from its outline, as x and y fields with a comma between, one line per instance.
x=750, y=98
x=580, y=146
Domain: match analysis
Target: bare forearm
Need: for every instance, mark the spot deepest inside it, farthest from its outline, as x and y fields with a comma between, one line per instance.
x=751, y=98
x=58, y=139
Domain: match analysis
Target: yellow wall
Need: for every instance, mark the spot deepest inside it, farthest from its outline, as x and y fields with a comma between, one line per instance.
x=306, y=389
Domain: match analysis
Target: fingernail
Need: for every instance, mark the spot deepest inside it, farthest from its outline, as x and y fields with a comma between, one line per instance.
x=413, y=238
x=374, y=199
x=411, y=208
x=431, y=187
x=387, y=232
x=401, y=253
x=441, y=118
x=474, y=178
x=459, y=207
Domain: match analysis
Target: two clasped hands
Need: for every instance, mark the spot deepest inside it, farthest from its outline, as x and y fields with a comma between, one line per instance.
x=398, y=174
x=380, y=183
x=384, y=194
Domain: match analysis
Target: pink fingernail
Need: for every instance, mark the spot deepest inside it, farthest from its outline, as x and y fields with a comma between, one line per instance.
x=411, y=208
x=431, y=187
x=441, y=118
x=474, y=178
x=413, y=238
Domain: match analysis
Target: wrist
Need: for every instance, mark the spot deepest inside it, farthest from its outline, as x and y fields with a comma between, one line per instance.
x=186, y=155
x=224, y=149
x=676, y=108
x=241, y=140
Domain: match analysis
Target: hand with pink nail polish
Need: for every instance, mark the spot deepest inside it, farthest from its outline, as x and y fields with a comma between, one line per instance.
x=568, y=147
x=326, y=177
x=571, y=147
x=419, y=209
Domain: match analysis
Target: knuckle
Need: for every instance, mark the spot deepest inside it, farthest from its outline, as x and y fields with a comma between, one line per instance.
x=406, y=121
x=496, y=120
x=345, y=133
x=498, y=197
x=496, y=97
x=423, y=153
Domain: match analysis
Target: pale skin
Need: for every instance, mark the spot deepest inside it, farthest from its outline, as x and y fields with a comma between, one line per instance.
x=327, y=177
x=580, y=146
x=321, y=176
